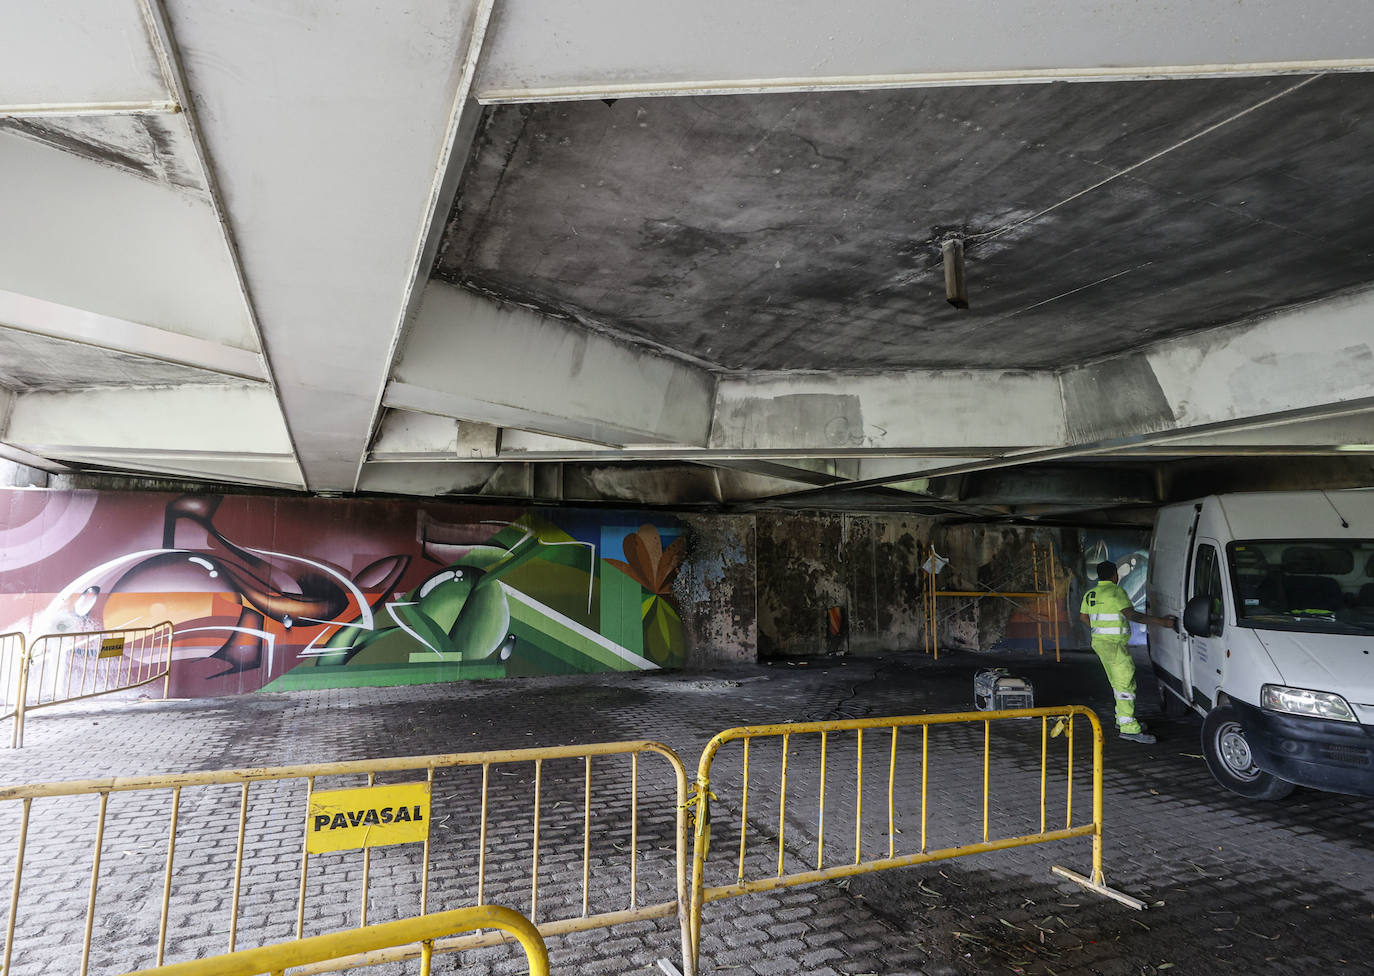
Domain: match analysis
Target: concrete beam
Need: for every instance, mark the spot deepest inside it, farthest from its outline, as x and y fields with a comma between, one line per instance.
x=542, y=52
x=871, y=469
x=1336, y=433
x=657, y=484
x=1067, y=486
x=331, y=217
x=1192, y=478
x=469, y=359
x=1306, y=364
x=803, y=471
x=406, y=436
x=56, y=321
x=910, y=411
x=167, y=423
x=265, y=472
x=453, y=477
x=518, y=444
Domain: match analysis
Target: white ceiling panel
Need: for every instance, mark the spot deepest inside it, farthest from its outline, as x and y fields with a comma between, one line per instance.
x=90, y=236
x=77, y=52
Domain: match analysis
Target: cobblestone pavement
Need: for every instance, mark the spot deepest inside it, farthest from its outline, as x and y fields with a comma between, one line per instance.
x=1233, y=885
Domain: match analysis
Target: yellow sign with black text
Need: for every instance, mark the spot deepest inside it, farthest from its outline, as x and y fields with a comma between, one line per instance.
x=370, y=816
x=111, y=647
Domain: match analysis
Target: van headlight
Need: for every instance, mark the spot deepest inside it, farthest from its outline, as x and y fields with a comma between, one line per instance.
x=1300, y=701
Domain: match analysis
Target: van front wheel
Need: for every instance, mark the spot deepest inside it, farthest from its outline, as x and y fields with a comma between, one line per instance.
x=1229, y=758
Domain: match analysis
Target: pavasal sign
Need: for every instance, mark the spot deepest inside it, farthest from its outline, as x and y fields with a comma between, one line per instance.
x=371, y=816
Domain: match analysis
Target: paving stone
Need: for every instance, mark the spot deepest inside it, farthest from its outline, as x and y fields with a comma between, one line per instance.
x=1295, y=873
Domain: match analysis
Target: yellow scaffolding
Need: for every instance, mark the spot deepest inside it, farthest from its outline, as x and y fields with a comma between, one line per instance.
x=1042, y=597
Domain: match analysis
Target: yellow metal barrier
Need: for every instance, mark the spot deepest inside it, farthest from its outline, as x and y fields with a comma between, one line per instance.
x=1053, y=722
x=372, y=939
x=290, y=798
x=68, y=667
x=13, y=679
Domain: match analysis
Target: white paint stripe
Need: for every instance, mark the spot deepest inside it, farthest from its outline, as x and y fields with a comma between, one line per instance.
x=44, y=318
x=271, y=640
x=591, y=635
x=590, y=577
x=391, y=611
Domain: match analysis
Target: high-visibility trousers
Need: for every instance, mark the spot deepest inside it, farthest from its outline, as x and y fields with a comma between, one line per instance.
x=1116, y=661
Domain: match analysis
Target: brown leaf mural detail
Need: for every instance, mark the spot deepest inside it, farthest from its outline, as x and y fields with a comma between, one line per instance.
x=648, y=563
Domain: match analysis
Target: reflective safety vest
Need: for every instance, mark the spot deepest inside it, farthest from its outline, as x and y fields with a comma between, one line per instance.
x=1104, y=604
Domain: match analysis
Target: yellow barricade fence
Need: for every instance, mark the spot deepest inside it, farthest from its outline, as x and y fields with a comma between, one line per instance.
x=244, y=847
x=424, y=930
x=68, y=667
x=13, y=663
x=875, y=849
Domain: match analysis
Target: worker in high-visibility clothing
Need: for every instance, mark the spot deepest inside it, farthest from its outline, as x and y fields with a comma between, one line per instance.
x=1108, y=611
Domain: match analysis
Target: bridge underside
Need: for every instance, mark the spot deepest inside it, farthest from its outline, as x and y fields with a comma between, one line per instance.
x=647, y=256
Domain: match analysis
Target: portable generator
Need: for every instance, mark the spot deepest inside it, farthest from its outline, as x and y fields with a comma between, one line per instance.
x=994, y=690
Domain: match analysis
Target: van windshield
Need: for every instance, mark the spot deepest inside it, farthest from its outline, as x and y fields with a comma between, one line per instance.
x=1313, y=585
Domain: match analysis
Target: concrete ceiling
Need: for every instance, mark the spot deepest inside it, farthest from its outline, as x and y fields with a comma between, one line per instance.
x=777, y=232
x=647, y=254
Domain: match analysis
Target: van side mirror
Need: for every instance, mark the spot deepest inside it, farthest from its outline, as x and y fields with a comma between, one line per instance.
x=1198, y=618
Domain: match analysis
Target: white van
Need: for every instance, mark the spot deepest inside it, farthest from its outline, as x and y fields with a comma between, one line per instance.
x=1275, y=597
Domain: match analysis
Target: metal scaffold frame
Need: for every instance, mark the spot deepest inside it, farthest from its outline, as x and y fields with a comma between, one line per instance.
x=1044, y=604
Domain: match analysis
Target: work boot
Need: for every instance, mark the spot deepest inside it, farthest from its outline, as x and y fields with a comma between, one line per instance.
x=1135, y=731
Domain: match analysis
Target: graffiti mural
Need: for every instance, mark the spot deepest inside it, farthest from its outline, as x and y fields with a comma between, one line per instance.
x=277, y=594
x=1130, y=552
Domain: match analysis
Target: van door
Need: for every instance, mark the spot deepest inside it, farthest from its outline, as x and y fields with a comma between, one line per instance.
x=1171, y=550
x=1207, y=655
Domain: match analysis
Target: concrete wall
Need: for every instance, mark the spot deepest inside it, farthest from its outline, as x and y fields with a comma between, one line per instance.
x=983, y=558
x=717, y=590
x=869, y=567
x=290, y=592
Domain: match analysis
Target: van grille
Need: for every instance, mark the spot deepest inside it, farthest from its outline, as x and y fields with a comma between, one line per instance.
x=1346, y=754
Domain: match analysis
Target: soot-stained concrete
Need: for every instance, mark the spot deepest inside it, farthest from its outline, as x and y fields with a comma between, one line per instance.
x=33, y=362
x=154, y=147
x=801, y=231
x=868, y=566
